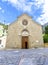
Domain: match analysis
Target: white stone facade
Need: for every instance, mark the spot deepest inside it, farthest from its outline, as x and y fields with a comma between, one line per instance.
x=28, y=29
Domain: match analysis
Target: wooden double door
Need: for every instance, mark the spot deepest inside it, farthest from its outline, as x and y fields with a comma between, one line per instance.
x=24, y=42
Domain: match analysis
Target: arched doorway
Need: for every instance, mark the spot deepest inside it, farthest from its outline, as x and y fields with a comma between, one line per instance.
x=24, y=42
x=25, y=36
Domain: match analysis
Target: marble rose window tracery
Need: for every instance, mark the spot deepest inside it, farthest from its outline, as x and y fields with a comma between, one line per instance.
x=24, y=22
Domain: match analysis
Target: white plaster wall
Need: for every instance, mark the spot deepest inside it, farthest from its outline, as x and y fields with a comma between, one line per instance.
x=3, y=42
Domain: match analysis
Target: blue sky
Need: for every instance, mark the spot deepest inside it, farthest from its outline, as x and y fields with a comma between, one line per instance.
x=11, y=9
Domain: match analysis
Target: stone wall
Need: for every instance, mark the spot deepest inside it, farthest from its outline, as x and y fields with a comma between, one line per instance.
x=14, y=38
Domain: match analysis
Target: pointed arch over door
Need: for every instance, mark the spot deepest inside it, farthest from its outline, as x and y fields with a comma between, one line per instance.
x=25, y=32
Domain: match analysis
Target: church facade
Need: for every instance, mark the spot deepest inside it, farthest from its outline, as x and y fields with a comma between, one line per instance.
x=24, y=34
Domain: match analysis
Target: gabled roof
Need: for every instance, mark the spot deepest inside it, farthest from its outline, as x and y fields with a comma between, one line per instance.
x=25, y=15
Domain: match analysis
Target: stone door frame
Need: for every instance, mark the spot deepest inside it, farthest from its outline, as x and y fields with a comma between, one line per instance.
x=24, y=42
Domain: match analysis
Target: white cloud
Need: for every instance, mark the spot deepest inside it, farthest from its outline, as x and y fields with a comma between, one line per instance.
x=22, y=5
x=25, y=6
x=3, y=11
x=0, y=8
x=44, y=18
x=40, y=20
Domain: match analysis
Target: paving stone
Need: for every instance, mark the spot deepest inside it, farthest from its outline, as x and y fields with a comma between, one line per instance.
x=24, y=57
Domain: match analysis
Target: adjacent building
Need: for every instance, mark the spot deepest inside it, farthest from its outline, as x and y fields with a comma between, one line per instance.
x=3, y=36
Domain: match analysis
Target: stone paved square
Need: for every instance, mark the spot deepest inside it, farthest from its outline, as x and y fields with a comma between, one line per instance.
x=24, y=57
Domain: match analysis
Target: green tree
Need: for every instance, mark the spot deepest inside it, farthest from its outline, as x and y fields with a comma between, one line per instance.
x=45, y=38
x=46, y=29
x=5, y=27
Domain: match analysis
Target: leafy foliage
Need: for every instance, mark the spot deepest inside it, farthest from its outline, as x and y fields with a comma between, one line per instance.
x=46, y=30
x=45, y=38
x=4, y=26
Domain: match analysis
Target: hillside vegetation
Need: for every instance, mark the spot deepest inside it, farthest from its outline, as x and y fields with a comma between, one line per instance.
x=4, y=26
x=45, y=37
